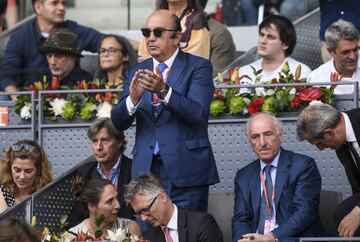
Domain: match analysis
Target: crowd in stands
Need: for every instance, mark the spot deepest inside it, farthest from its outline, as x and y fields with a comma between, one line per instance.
x=162, y=192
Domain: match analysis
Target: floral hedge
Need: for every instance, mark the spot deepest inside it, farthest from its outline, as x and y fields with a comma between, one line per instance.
x=246, y=100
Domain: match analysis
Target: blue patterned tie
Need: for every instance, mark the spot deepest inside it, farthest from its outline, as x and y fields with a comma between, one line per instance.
x=264, y=209
x=162, y=67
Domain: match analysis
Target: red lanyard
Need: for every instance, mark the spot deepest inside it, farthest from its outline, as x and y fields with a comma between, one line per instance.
x=265, y=193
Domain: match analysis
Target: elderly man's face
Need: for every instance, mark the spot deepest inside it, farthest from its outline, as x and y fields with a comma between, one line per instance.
x=264, y=137
x=52, y=11
x=346, y=57
x=61, y=65
x=162, y=47
x=328, y=140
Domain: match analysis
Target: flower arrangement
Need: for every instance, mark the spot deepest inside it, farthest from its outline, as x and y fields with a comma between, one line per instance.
x=85, y=106
x=119, y=235
x=243, y=101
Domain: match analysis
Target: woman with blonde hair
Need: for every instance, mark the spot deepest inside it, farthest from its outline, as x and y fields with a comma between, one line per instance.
x=24, y=170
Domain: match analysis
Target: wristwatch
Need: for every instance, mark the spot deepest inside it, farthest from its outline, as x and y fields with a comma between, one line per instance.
x=162, y=94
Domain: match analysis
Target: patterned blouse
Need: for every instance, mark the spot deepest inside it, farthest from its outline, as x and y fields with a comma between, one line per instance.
x=9, y=197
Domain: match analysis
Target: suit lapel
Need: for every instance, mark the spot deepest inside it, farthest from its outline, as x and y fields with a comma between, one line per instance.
x=255, y=190
x=182, y=229
x=175, y=72
x=282, y=173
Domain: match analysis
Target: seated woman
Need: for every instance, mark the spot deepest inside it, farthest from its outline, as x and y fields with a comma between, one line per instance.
x=115, y=56
x=24, y=170
x=99, y=197
x=195, y=37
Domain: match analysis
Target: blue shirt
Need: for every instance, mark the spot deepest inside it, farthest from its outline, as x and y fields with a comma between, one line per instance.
x=332, y=10
x=22, y=55
x=114, y=172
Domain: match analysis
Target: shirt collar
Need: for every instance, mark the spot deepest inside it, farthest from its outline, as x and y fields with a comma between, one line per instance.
x=172, y=224
x=115, y=170
x=168, y=62
x=349, y=131
x=274, y=162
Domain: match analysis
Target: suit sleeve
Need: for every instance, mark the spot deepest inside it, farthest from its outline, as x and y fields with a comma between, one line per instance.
x=241, y=221
x=119, y=115
x=305, y=202
x=194, y=107
x=209, y=230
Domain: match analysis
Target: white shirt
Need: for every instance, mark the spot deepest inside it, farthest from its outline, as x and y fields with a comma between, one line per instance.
x=173, y=225
x=267, y=76
x=323, y=72
x=350, y=135
x=131, y=107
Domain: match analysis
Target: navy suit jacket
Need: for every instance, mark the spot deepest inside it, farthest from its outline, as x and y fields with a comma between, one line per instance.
x=297, y=195
x=193, y=226
x=181, y=128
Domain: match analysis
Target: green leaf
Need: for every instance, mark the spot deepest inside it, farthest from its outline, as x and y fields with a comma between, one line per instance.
x=99, y=220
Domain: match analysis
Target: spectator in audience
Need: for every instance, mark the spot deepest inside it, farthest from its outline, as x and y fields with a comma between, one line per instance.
x=277, y=40
x=222, y=47
x=99, y=197
x=62, y=54
x=324, y=126
x=342, y=40
x=169, y=95
x=24, y=170
x=195, y=38
x=169, y=222
x=106, y=162
x=115, y=56
x=17, y=230
x=277, y=196
x=22, y=55
x=11, y=13
x=331, y=11
x=3, y=6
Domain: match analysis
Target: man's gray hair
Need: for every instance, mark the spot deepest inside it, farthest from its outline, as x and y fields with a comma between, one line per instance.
x=145, y=185
x=340, y=30
x=275, y=121
x=315, y=119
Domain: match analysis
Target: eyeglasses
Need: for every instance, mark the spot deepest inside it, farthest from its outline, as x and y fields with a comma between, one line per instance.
x=146, y=211
x=157, y=31
x=23, y=146
x=111, y=51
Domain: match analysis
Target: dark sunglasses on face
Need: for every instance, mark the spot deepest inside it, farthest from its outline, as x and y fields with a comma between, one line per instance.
x=23, y=146
x=112, y=51
x=157, y=31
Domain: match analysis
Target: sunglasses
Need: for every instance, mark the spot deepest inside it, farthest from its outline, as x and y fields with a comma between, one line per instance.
x=111, y=51
x=157, y=31
x=23, y=147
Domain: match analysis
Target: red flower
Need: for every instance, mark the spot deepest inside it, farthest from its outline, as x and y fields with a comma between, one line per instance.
x=311, y=93
x=252, y=108
x=295, y=102
x=55, y=83
x=255, y=105
x=218, y=94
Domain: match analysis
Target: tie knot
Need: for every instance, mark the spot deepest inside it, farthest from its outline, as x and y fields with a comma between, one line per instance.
x=267, y=169
x=162, y=67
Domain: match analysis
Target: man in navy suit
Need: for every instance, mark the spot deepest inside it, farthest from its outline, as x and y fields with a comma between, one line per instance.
x=168, y=222
x=281, y=203
x=169, y=95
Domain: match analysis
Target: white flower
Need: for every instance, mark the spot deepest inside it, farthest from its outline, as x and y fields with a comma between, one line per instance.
x=25, y=112
x=118, y=236
x=260, y=91
x=270, y=92
x=57, y=106
x=104, y=110
x=315, y=102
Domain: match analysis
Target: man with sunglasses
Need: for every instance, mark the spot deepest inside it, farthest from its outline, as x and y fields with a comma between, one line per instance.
x=151, y=203
x=169, y=95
